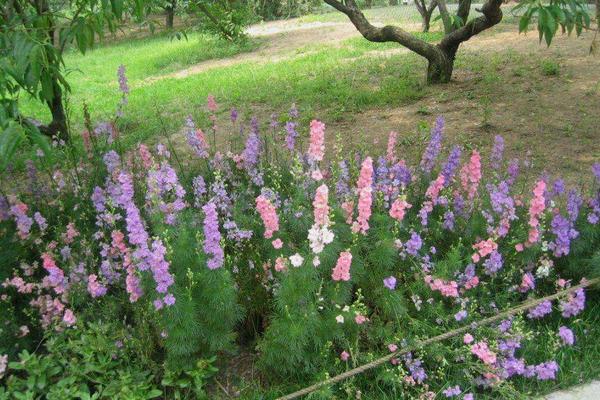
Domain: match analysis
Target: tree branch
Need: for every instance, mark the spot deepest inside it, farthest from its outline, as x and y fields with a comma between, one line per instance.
x=387, y=33
x=492, y=14
x=464, y=8
x=446, y=21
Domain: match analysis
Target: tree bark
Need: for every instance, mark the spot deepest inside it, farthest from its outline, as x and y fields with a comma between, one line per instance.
x=58, y=126
x=170, y=13
x=426, y=13
x=440, y=57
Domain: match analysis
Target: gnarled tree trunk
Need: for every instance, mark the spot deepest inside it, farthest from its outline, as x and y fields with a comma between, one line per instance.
x=58, y=126
x=440, y=56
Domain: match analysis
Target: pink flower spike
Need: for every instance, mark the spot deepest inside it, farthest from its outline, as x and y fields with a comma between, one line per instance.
x=341, y=272
x=321, y=209
x=316, y=149
x=365, y=196
x=344, y=356
x=268, y=214
x=391, y=145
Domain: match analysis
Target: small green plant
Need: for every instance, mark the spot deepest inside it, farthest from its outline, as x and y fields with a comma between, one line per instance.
x=87, y=363
x=549, y=67
x=189, y=382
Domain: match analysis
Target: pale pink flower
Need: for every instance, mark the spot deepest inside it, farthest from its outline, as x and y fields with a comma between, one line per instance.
x=536, y=208
x=398, y=209
x=392, y=348
x=348, y=208
x=268, y=214
x=433, y=191
x=71, y=233
x=447, y=289
x=341, y=272
x=391, y=145
x=484, y=248
x=69, y=318
x=519, y=247
x=365, y=197
x=321, y=209
x=146, y=156
x=344, y=356
x=316, y=149
x=360, y=319
x=280, y=264
x=468, y=338
x=482, y=351
x=470, y=174
x=277, y=243
x=317, y=175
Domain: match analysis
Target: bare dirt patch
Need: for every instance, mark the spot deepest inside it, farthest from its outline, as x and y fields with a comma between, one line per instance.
x=554, y=117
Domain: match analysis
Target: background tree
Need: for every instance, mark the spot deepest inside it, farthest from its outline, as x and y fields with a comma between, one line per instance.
x=426, y=12
x=458, y=28
x=34, y=35
x=170, y=7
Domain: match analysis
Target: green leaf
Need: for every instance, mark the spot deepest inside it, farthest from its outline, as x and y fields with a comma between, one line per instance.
x=10, y=139
x=39, y=139
x=47, y=92
x=524, y=22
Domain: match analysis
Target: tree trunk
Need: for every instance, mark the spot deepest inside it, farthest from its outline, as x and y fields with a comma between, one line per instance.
x=439, y=69
x=170, y=13
x=58, y=126
x=598, y=14
x=426, y=20
x=368, y=3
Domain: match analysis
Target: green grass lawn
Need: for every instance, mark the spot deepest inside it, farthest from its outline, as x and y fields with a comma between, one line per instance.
x=327, y=80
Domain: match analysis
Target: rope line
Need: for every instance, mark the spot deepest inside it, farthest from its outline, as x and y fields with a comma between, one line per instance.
x=421, y=343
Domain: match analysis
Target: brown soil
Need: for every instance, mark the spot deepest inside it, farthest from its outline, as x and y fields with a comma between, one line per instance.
x=553, y=117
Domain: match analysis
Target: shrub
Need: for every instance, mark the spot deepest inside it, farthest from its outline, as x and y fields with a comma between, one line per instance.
x=91, y=362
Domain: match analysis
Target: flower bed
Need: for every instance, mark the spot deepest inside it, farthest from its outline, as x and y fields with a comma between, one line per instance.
x=323, y=258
